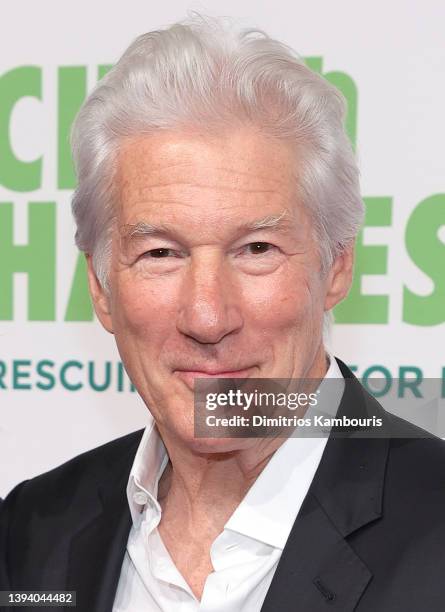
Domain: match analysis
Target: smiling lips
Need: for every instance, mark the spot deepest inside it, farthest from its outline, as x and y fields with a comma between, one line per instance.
x=188, y=376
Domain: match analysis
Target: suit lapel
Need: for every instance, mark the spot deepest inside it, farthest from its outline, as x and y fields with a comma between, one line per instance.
x=318, y=566
x=97, y=549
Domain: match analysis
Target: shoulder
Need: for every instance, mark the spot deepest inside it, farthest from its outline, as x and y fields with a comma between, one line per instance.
x=414, y=473
x=417, y=459
x=62, y=482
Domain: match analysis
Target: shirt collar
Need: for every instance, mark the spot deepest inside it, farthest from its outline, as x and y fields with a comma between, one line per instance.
x=148, y=466
x=269, y=509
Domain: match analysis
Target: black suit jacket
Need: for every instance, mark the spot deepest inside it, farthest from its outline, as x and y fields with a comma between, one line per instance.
x=370, y=535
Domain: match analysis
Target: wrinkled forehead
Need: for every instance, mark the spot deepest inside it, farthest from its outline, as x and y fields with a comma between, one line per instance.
x=243, y=176
x=242, y=150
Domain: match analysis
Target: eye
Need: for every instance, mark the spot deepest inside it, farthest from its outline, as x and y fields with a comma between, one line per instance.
x=158, y=253
x=259, y=257
x=258, y=248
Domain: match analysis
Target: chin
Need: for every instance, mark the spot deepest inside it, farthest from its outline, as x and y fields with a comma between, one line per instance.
x=181, y=431
x=217, y=445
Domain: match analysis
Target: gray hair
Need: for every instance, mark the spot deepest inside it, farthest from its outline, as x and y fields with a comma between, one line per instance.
x=204, y=72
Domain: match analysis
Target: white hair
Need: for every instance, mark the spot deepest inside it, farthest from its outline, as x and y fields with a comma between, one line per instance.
x=206, y=73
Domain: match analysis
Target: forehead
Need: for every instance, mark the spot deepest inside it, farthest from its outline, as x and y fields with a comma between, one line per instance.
x=177, y=173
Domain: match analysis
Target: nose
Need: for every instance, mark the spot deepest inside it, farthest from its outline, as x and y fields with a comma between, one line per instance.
x=209, y=307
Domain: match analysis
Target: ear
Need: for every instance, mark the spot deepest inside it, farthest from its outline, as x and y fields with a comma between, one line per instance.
x=99, y=297
x=340, y=277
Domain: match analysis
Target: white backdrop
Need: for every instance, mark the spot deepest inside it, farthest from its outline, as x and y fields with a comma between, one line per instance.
x=394, y=52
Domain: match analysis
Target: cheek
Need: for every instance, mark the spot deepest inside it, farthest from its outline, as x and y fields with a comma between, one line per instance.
x=143, y=308
x=280, y=301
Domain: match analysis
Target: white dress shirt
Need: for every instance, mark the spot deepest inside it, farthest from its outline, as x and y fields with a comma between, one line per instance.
x=244, y=556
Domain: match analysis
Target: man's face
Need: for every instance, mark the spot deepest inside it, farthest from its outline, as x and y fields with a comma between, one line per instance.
x=214, y=269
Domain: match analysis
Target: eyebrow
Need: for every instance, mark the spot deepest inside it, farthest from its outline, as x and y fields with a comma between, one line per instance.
x=140, y=229
x=281, y=221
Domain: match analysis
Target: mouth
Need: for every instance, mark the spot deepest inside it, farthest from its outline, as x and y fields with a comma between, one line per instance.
x=189, y=376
